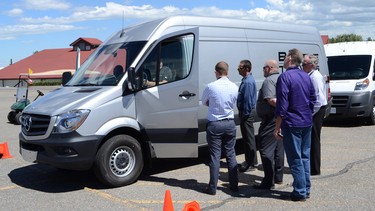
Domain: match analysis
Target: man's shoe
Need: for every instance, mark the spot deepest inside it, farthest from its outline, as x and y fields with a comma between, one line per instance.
x=245, y=167
x=296, y=199
x=237, y=194
x=263, y=187
x=279, y=182
x=234, y=190
x=208, y=191
x=242, y=167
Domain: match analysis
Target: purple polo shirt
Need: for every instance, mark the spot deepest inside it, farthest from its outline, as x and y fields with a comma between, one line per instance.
x=296, y=97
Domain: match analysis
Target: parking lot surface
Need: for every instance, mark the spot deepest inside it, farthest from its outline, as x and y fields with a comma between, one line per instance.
x=347, y=181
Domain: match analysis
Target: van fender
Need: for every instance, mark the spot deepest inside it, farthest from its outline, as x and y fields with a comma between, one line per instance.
x=117, y=123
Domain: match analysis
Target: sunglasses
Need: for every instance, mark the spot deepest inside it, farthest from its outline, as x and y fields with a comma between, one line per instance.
x=267, y=67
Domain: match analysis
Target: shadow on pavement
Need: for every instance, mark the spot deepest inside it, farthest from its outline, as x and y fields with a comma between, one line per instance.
x=48, y=179
x=51, y=180
x=332, y=121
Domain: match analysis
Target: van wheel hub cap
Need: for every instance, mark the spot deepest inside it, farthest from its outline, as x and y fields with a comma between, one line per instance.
x=122, y=161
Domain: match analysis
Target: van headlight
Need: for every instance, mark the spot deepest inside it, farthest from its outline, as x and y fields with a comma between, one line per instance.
x=362, y=84
x=70, y=121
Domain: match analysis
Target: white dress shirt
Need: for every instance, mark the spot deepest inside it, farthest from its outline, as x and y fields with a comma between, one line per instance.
x=320, y=89
x=220, y=96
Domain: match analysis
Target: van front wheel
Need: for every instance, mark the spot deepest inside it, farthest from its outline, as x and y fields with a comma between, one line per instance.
x=371, y=118
x=119, y=161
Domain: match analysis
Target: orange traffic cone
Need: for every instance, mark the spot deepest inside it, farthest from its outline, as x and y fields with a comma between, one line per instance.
x=168, y=205
x=4, y=151
x=192, y=206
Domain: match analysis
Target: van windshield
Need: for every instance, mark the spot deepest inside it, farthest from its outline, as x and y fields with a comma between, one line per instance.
x=107, y=65
x=349, y=67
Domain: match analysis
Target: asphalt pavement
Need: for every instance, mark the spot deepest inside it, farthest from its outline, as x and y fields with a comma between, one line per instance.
x=347, y=181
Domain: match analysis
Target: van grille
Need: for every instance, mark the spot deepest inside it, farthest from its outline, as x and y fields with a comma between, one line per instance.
x=34, y=125
x=340, y=101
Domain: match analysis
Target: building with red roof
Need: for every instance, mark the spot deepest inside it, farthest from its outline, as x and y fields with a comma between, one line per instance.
x=49, y=63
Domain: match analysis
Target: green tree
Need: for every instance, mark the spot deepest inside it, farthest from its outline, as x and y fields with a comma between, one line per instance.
x=346, y=38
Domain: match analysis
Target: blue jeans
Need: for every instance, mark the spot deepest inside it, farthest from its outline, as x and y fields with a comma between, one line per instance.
x=297, y=144
x=221, y=136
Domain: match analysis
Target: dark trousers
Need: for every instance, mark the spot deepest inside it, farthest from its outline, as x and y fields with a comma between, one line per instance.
x=271, y=153
x=315, y=158
x=221, y=136
x=248, y=139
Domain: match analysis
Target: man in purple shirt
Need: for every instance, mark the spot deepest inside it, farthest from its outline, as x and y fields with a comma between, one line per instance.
x=296, y=97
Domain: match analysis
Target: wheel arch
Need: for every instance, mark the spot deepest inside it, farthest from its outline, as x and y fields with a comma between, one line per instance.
x=145, y=145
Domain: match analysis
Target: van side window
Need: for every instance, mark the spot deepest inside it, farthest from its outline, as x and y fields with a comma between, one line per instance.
x=169, y=61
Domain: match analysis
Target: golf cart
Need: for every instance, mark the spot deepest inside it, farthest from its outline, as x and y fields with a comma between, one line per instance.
x=22, y=100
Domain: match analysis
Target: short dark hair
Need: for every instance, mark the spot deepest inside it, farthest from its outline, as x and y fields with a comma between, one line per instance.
x=246, y=64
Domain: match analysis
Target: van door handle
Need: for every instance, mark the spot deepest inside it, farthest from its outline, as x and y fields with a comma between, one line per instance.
x=186, y=94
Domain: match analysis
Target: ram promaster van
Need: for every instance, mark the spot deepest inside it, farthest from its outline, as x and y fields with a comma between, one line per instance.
x=118, y=112
x=351, y=70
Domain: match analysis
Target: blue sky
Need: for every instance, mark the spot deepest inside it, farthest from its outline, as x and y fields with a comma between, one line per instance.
x=27, y=26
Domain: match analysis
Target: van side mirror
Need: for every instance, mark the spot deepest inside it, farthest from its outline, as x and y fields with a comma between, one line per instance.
x=132, y=85
x=66, y=76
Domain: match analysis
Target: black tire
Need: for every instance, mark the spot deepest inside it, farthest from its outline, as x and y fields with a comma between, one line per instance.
x=12, y=117
x=17, y=118
x=371, y=118
x=119, y=161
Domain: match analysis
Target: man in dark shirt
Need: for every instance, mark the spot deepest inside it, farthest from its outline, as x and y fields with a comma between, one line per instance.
x=271, y=150
x=296, y=97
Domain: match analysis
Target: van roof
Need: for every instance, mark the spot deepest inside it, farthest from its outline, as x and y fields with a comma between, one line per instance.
x=144, y=31
x=350, y=48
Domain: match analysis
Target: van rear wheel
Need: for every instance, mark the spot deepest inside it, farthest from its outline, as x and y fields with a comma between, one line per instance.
x=119, y=161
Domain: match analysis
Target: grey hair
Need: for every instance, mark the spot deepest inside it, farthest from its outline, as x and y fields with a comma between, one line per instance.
x=313, y=59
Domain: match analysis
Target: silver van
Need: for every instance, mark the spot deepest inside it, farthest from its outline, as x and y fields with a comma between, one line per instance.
x=137, y=97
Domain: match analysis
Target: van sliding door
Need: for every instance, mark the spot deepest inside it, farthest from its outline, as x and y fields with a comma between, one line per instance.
x=168, y=104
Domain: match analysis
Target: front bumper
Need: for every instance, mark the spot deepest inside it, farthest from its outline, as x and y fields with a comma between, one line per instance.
x=351, y=104
x=66, y=151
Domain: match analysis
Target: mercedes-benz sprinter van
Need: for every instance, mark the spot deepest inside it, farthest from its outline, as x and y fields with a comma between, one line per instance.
x=118, y=111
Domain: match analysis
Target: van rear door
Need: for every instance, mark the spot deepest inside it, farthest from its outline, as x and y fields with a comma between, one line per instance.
x=167, y=106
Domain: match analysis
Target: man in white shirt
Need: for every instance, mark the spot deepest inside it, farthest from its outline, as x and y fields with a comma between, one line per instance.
x=310, y=62
x=220, y=96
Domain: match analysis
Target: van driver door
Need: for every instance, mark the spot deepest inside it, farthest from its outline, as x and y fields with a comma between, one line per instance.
x=167, y=105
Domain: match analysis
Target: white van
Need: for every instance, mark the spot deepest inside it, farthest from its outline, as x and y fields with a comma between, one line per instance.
x=118, y=111
x=351, y=70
